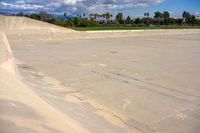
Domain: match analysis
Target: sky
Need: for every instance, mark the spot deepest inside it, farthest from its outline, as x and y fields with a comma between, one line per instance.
x=134, y=8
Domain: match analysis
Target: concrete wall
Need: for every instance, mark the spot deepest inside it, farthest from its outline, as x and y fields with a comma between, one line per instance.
x=25, y=26
x=2, y=50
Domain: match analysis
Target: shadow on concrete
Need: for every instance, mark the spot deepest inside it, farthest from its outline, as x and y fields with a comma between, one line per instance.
x=17, y=109
x=7, y=126
x=14, y=108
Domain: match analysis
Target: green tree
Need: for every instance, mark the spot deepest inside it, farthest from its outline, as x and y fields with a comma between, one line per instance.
x=77, y=21
x=146, y=14
x=166, y=14
x=186, y=15
x=119, y=18
x=60, y=22
x=65, y=14
x=158, y=14
x=83, y=23
x=45, y=16
x=146, y=19
x=179, y=21
x=170, y=21
x=107, y=16
x=128, y=20
x=111, y=15
x=69, y=22
x=87, y=23
x=35, y=16
x=137, y=21
x=192, y=20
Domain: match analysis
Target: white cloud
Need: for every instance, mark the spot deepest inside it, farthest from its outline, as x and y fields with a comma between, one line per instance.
x=76, y=5
x=21, y=6
x=197, y=13
x=72, y=2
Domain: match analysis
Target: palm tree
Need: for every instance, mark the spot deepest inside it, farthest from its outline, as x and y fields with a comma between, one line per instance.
x=65, y=14
x=128, y=20
x=119, y=18
x=111, y=15
x=158, y=14
x=146, y=14
x=166, y=15
x=107, y=16
x=186, y=16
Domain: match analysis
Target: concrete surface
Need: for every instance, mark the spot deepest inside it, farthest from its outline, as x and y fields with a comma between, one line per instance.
x=137, y=81
x=21, y=110
x=153, y=81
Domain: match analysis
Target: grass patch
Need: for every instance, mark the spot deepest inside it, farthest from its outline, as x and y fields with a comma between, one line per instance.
x=132, y=28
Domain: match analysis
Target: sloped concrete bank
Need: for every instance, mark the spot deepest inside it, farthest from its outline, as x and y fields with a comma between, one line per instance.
x=21, y=110
x=100, y=34
x=6, y=55
x=36, y=105
x=44, y=105
x=26, y=26
x=72, y=81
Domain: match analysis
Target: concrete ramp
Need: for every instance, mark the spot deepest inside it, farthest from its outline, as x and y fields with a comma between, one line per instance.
x=6, y=55
x=21, y=110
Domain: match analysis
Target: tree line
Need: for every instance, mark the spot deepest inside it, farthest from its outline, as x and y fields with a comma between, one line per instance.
x=108, y=19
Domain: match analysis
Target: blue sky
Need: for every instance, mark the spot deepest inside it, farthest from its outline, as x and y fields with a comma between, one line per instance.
x=175, y=7
x=133, y=8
